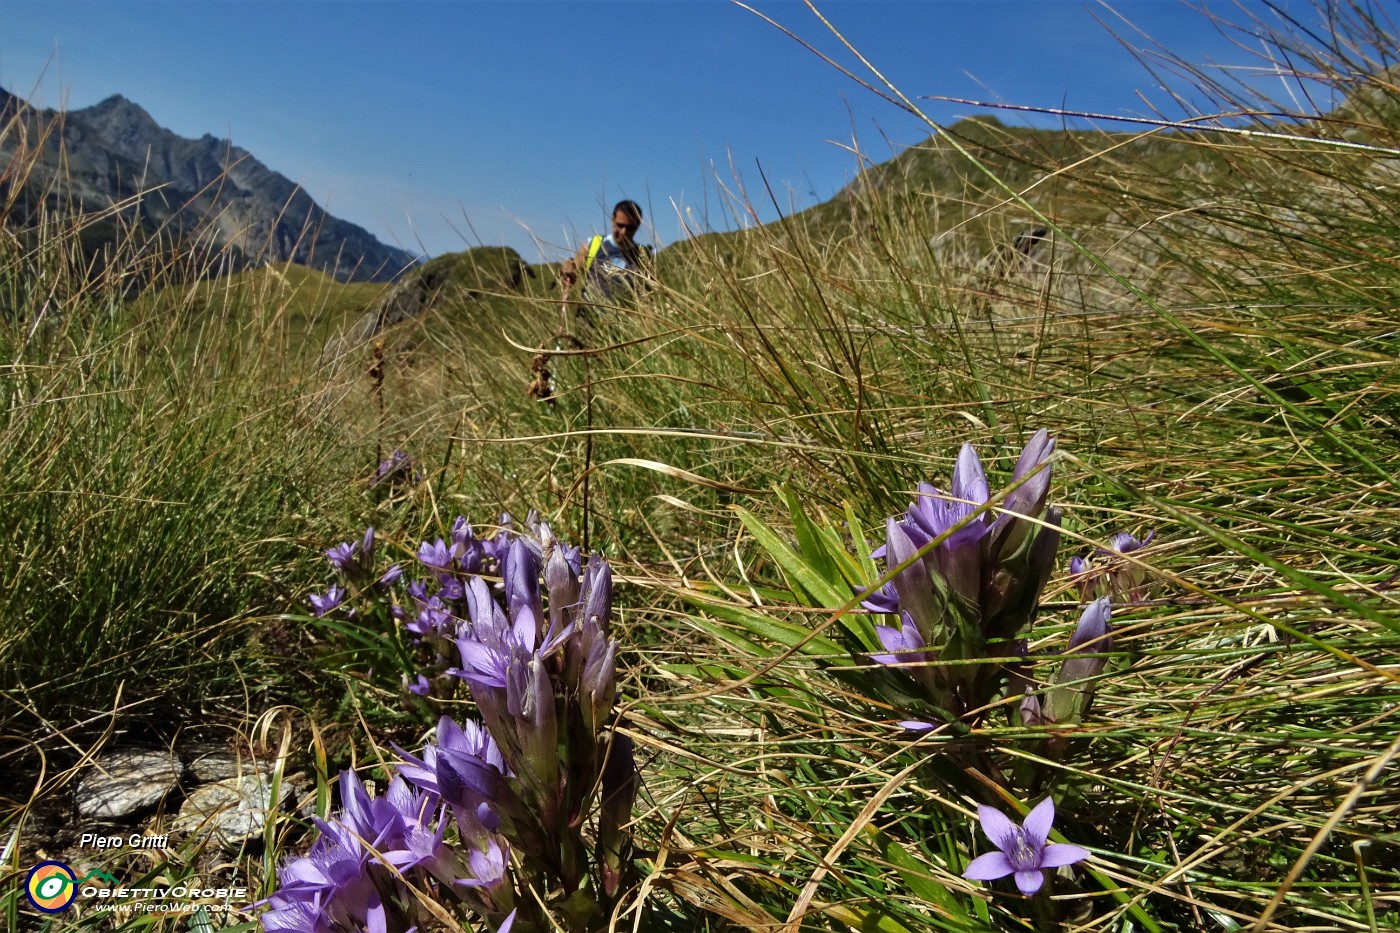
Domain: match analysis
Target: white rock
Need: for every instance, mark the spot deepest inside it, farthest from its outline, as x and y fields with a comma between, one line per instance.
x=217, y=763
x=122, y=784
x=232, y=810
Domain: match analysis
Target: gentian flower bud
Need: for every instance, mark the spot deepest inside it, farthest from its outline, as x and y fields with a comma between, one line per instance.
x=1074, y=687
x=596, y=593
x=598, y=683
x=467, y=550
x=1029, y=497
x=488, y=622
x=562, y=583
x=1031, y=712
x=914, y=585
x=522, y=580
x=1092, y=634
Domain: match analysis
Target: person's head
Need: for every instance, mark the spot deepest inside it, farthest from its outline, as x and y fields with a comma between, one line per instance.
x=626, y=221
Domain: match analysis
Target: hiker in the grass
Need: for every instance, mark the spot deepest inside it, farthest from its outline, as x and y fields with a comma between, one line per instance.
x=608, y=269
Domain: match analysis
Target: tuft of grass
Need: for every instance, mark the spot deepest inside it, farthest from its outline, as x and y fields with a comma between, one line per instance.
x=167, y=464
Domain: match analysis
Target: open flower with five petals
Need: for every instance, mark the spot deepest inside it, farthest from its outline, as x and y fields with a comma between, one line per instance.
x=1024, y=851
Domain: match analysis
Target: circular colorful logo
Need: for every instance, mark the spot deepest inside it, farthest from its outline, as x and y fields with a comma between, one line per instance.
x=51, y=887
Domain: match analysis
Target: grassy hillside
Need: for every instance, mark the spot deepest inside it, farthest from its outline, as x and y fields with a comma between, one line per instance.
x=1203, y=321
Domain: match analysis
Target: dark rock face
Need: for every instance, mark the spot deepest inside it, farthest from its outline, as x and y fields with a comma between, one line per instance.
x=205, y=190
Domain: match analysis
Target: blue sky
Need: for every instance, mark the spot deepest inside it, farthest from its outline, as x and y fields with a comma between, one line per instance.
x=440, y=125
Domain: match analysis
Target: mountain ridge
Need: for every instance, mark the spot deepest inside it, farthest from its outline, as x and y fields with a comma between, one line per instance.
x=114, y=157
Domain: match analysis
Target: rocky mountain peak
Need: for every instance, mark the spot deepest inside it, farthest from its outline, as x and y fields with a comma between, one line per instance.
x=118, y=110
x=205, y=190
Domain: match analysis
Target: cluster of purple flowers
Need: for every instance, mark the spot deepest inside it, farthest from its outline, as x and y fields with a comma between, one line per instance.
x=969, y=569
x=545, y=775
x=969, y=573
x=353, y=562
x=369, y=867
x=439, y=598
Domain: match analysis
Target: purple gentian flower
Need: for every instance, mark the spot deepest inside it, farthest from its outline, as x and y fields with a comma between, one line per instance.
x=885, y=599
x=561, y=582
x=397, y=469
x=379, y=821
x=487, y=866
x=433, y=619
x=342, y=557
x=465, y=770
x=435, y=555
x=291, y=914
x=595, y=599
x=1085, y=660
x=905, y=644
x=1024, y=851
x=1092, y=630
x=906, y=648
x=619, y=792
x=468, y=551
x=354, y=562
x=597, y=683
x=959, y=558
x=1109, y=573
x=494, y=548
x=452, y=589
x=1033, y=712
x=323, y=604
x=1033, y=466
x=332, y=885
x=521, y=575
x=1125, y=543
x=914, y=585
x=423, y=846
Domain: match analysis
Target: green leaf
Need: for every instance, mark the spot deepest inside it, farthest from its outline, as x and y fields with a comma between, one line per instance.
x=704, y=672
x=867, y=921
x=807, y=580
x=797, y=568
x=853, y=572
x=727, y=635
x=917, y=878
x=812, y=548
x=857, y=528
x=788, y=634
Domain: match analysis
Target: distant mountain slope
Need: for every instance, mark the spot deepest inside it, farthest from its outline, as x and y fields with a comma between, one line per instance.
x=205, y=191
